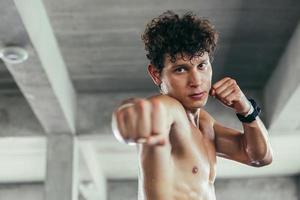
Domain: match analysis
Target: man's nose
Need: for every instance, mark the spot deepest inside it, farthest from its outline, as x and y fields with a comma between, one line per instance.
x=195, y=79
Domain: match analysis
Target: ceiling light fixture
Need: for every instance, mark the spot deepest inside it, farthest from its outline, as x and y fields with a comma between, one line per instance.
x=13, y=54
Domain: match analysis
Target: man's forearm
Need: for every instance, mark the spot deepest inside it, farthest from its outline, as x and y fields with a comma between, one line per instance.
x=256, y=142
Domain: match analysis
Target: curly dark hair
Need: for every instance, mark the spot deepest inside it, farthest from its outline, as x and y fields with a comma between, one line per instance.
x=171, y=34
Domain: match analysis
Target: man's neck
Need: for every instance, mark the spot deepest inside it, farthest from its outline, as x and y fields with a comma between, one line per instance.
x=193, y=116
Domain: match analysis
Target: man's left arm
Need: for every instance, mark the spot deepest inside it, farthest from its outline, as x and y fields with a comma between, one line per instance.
x=251, y=147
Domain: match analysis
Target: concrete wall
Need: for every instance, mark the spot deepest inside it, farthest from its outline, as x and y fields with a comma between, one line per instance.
x=28, y=191
x=271, y=188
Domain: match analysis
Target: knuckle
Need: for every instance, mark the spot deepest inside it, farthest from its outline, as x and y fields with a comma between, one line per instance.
x=156, y=104
x=128, y=111
x=159, y=105
x=119, y=115
x=232, y=81
x=147, y=104
x=140, y=104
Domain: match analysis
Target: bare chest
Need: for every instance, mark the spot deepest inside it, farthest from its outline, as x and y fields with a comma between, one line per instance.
x=194, y=154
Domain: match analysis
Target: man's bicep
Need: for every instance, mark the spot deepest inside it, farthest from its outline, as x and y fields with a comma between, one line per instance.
x=230, y=144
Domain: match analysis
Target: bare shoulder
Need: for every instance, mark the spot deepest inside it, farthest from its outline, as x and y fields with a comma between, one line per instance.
x=167, y=100
x=204, y=115
x=173, y=106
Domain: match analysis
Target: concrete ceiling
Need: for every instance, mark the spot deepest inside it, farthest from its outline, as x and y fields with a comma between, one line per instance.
x=89, y=55
x=101, y=46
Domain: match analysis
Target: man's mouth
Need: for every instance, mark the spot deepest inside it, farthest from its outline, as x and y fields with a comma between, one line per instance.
x=197, y=95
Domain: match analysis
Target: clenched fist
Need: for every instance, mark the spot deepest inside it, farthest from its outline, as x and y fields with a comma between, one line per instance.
x=229, y=93
x=141, y=121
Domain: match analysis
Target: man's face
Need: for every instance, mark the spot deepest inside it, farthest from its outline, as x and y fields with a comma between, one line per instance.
x=186, y=80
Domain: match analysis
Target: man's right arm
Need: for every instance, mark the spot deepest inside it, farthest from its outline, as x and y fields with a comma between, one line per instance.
x=145, y=120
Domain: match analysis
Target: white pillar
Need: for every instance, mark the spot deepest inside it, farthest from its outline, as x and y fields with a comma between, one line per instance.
x=62, y=167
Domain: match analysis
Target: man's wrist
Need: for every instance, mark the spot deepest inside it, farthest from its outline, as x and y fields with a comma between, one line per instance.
x=249, y=111
x=251, y=115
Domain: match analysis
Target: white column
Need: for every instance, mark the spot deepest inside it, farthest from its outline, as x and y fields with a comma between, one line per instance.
x=62, y=167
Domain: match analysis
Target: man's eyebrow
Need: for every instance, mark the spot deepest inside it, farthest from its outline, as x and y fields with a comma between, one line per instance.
x=180, y=65
x=186, y=65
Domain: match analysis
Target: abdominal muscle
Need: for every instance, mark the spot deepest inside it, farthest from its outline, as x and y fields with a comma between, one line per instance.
x=180, y=182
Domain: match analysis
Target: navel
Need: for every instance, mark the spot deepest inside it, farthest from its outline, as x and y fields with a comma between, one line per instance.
x=195, y=170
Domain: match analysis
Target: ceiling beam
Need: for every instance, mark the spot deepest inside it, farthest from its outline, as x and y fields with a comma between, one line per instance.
x=282, y=91
x=43, y=78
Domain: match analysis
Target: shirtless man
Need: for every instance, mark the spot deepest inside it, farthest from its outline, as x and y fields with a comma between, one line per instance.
x=177, y=140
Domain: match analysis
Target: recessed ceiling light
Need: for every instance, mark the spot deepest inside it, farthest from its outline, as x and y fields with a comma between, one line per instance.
x=13, y=54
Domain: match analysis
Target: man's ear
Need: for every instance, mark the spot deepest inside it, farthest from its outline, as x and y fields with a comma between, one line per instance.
x=154, y=73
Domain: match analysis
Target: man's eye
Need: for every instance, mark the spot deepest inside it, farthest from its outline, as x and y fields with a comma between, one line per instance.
x=180, y=70
x=202, y=65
